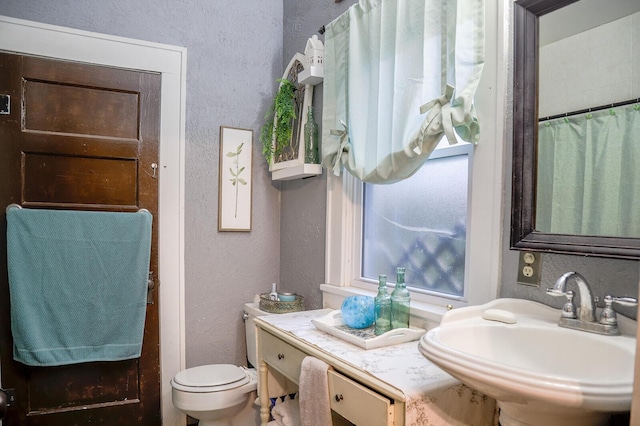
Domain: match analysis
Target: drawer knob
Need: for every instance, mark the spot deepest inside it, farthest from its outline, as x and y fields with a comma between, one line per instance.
x=339, y=397
x=280, y=356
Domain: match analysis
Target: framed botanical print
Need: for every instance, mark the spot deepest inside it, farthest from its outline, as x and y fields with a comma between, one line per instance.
x=235, y=179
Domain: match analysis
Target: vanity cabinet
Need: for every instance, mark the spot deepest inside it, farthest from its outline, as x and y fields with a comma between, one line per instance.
x=358, y=404
x=392, y=385
x=281, y=356
x=353, y=394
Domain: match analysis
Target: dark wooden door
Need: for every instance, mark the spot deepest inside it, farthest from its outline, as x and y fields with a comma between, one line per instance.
x=79, y=137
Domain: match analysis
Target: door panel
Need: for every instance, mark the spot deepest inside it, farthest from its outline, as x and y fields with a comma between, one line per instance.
x=62, y=179
x=80, y=137
x=96, y=112
x=57, y=387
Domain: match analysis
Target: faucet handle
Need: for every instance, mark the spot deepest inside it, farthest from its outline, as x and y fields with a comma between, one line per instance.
x=625, y=301
x=569, y=308
x=552, y=291
x=608, y=315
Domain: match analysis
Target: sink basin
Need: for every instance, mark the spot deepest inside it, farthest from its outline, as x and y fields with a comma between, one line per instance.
x=540, y=374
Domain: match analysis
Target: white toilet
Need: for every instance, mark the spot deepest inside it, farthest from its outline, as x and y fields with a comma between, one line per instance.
x=217, y=394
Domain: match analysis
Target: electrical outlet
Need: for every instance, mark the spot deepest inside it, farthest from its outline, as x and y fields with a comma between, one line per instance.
x=529, y=267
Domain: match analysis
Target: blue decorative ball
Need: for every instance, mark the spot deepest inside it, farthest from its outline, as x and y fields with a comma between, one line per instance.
x=358, y=311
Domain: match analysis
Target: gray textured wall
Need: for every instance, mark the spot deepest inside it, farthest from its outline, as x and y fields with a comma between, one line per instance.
x=303, y=201
x=234, y=56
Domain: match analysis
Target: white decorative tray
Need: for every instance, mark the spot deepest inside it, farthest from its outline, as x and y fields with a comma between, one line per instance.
x=365, y=337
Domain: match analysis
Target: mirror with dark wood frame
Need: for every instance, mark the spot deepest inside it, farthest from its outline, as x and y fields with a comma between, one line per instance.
x=524, y=166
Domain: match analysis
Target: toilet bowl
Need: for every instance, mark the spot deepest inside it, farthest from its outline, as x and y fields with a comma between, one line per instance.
x=216, y=394
x=213, y=394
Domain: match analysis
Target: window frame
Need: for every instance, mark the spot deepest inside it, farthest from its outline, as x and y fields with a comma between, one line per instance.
x=484, y=234
x=443, y=150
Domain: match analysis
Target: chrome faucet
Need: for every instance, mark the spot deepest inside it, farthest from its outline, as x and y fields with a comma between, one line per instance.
x=586, y=320
x=587, y=303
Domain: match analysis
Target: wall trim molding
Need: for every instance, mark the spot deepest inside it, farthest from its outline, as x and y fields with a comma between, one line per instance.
x=34, y=38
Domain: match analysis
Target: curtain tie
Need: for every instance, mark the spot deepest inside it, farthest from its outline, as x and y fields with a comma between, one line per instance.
x=343, y=147
x=440, y=106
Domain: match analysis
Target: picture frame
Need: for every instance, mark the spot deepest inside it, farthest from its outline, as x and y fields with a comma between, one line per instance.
x=235, y=192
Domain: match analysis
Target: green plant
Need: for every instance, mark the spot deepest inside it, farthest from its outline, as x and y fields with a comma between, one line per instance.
x=236, y=180
x=279, y=121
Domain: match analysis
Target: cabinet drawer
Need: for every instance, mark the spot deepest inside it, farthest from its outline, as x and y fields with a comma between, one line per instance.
x=281, y=356
x=358, y=404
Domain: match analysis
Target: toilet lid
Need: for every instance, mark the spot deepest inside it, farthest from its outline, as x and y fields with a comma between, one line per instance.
x=225, y=376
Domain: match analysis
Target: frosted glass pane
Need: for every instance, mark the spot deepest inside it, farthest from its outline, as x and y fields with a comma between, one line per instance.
x=419, y=224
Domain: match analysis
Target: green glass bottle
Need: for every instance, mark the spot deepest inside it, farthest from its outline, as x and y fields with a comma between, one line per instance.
x=382, y=307
x=400, y=300
x=311, y=139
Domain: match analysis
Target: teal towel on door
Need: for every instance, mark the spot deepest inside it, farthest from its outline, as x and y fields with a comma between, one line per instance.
x=77, y=284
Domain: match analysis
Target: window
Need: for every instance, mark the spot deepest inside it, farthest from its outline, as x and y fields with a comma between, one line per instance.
x=420, y=224
x=352, y=267
x=484, y=229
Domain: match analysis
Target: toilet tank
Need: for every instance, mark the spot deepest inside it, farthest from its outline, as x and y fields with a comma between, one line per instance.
x=252, y=310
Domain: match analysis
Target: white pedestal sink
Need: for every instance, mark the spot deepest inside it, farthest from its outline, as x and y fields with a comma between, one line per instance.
x=540, y=374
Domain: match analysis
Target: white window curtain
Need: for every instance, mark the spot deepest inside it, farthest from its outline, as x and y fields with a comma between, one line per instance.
x=588, y=173
x=399, y=74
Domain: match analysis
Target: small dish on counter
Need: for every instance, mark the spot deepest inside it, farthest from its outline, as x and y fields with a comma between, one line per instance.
x=287, y=297
x=365, y=338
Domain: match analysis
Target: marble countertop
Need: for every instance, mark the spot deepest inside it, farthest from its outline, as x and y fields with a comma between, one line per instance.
x=433, y=397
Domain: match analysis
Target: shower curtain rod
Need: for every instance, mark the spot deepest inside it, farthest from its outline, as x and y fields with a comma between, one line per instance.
x=321, y=30
x=582, y=111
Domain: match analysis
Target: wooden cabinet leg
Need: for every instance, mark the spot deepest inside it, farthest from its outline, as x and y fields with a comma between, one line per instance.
x=265, y=404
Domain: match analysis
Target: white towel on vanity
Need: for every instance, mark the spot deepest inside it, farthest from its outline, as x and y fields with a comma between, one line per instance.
x=286, y=413
x=314, y=393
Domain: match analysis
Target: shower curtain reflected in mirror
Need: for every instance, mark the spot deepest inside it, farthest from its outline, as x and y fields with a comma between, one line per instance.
x=588, y=180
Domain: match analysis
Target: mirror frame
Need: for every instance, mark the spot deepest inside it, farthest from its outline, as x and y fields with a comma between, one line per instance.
x=525, y=136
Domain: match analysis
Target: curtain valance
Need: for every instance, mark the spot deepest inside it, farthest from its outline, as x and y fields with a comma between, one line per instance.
x=399, y=75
